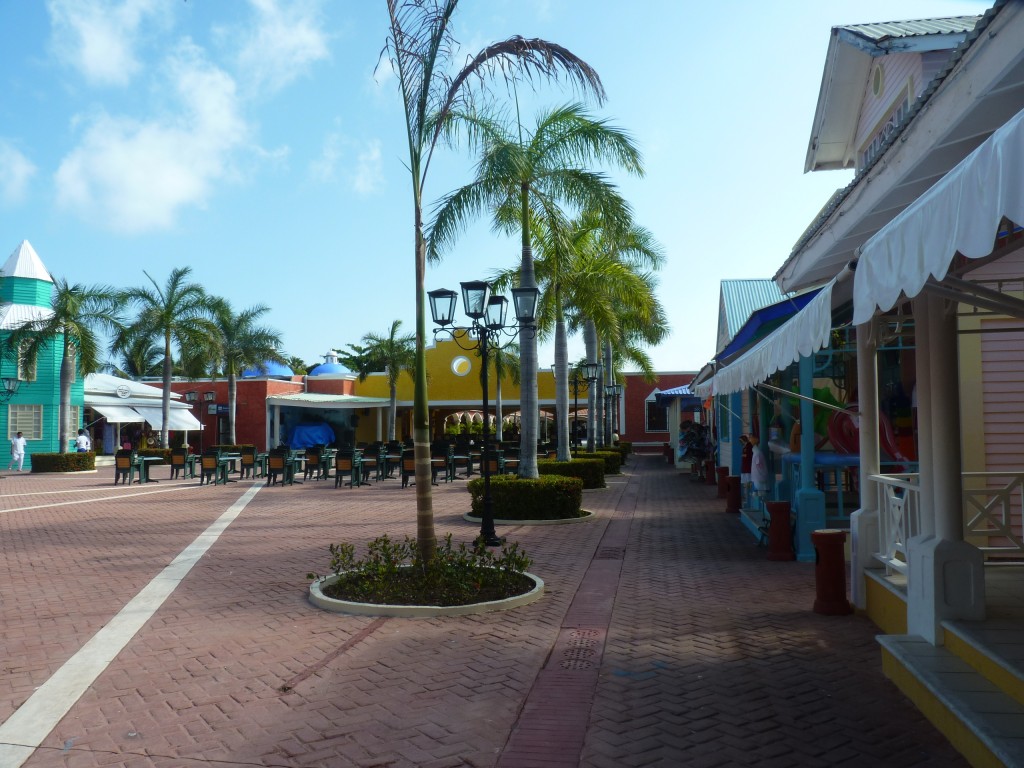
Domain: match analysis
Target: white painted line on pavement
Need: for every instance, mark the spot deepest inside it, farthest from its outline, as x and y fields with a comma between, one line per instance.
x=100, y=498
x=32, y=722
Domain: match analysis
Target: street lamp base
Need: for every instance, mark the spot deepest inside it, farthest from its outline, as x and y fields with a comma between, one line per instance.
x=490, y=541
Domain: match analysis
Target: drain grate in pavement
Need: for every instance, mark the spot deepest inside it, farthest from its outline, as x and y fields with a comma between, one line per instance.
x=576, y=664
x=610, y=553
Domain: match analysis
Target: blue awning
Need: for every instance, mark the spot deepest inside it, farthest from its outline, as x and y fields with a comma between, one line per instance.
x=765, y=320
x=687, y=400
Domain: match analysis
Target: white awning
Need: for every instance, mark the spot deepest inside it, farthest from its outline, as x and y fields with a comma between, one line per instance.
x=803, y=334
x=179, y=418
x=960, y=213
x=118, y=414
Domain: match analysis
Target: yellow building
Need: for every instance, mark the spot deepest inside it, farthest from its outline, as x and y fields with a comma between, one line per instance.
x=454, y=388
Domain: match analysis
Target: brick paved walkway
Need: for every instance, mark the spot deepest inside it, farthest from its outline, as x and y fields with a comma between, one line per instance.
x=664, y=638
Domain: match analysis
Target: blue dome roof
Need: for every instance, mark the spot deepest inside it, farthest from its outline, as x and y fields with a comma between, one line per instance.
x=272, y=369
x=328, y=368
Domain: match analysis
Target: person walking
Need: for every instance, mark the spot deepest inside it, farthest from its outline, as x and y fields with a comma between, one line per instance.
x=82, y=443
x=18, y=444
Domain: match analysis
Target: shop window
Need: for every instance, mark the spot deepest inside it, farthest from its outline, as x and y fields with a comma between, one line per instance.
x=27, y=419
x=657, y=417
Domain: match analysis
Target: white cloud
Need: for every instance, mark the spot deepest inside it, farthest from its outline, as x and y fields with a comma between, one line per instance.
x=369, y=174
x=98, y=38
x=130, y=175
x=365, y=174
x=15, y=172
x=285, y=39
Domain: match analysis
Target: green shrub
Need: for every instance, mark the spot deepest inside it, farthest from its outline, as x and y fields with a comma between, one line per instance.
x=626, y=447
x=610, y=456
x=163, y=453
x=517, y=498
x=63, y=462
x=590, y=471
x=392, y=573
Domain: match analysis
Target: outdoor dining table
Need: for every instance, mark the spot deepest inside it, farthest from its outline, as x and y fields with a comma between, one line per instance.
x=143, y=462
x=392, y=461
x=296, y=459
x=229, y=461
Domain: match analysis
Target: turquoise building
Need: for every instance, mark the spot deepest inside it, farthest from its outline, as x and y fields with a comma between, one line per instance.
x=26, y=295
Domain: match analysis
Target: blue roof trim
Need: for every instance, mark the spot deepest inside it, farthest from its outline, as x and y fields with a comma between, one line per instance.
x=764, y=320
x=687, y=400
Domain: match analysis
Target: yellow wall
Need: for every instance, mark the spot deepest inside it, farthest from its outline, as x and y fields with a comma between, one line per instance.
x=445, y=386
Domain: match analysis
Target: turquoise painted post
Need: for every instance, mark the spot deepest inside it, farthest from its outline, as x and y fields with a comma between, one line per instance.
x=764, y=417
x=810, y=502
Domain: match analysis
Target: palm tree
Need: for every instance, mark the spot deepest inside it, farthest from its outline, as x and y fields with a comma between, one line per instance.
x=392, y=354
x=180, y=314
x=78, y=313
x=241, y=344
x=520, y=180
x=420, y=49
x=140, y=360
x=504, y=362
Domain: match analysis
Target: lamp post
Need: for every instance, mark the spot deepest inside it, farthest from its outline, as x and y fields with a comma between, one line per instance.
x=591, y=372
x=10, y=389
x=485, y=333
x=614, y=390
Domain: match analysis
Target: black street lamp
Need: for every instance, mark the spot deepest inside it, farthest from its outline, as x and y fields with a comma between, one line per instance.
x=10, y=388
x=614, y=390
x=591, y=372
x=577, y=382
x=488, y=314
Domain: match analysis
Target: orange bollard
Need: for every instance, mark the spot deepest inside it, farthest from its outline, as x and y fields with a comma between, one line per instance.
x=830, y=572
x=732, y=498
x=723, y=481
x=780, y=531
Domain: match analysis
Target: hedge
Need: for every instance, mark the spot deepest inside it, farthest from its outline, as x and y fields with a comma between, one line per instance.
x=610, y=456
x=517, y=498
x=590, y=471
x=63, y=462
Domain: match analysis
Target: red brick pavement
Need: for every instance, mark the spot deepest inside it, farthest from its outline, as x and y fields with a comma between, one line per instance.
x=709, y=656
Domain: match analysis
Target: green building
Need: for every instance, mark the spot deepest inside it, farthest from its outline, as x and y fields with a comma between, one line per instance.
x=30, y=398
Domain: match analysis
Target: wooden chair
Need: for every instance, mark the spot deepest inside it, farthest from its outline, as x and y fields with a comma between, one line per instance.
x=248, y=462
x=178, y=462
x=124, y=467
x=372, y=462
x=408, y=468
x=314, y=464
x=345, y=463
x=441, y=461
x=278, y=466
x=210, y=468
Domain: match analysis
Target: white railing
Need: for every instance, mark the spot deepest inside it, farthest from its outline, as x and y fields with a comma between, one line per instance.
x=992, y=511
x=992, y=505
x=899, y=517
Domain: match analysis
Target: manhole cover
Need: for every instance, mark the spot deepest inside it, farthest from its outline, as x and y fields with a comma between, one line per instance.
x=576, y=664
x=578, y=653
x=581, y=642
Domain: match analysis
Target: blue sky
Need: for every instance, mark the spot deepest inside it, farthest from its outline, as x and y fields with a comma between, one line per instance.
x=258, y=142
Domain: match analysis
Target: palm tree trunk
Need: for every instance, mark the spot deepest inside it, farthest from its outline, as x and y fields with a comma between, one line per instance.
x=497, y=402
x=232, y=405
x=66, y=377
x=609, y=417
x=426, y=537
x=590, y=343
x=392, y=411
x=562, y=383
x=527, y=358
x=165, y=399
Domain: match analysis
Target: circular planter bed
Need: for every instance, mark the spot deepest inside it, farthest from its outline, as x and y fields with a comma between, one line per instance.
x=320, y=600
x=587, y=517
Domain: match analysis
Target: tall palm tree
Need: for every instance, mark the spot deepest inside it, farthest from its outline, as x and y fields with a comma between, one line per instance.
x=140, y=360
x=504, y=363
x=420, y=49
x=180, y=313
x=241, y=344
x=521, y=179
x=392, y=354
x=79, y=312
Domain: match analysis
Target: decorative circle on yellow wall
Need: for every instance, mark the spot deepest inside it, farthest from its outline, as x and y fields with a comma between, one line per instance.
x=461, y=365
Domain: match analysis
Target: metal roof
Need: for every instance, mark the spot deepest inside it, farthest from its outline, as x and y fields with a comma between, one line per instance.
x=322, y=400
x=880, y=32
x=739, y=299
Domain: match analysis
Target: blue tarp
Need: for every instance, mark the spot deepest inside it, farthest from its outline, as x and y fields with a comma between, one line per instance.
x=308, y=435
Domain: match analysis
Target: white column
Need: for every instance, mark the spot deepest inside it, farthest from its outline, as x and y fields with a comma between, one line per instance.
x=864, y=530
x=380, y=424
x=946, y=578
x=924, y=422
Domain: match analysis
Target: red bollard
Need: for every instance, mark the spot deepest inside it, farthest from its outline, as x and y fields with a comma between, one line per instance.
x=780, y=531
x=732, y=498
x=830, y=572
x=709, y=472
x=723, y=481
